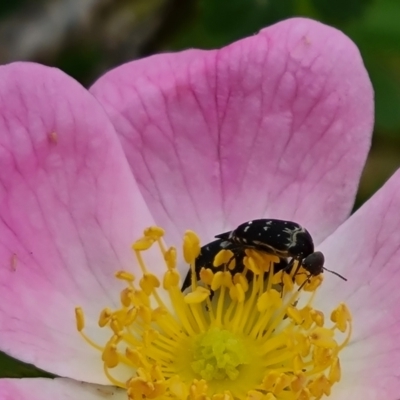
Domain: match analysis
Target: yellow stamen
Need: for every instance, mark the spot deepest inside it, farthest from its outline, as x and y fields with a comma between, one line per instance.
x=125, y=276
x=231, y=336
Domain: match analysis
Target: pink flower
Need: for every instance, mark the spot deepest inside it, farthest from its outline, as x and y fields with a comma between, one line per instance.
x=274, y=126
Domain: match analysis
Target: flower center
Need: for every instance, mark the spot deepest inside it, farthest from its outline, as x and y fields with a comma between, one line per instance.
x=252, y=335
x=218, y=354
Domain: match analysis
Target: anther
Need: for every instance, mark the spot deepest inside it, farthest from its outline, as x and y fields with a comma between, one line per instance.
x=80, y=319
x=154, y=232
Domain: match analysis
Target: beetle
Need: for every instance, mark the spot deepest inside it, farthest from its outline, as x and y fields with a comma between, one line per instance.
x=284, y=239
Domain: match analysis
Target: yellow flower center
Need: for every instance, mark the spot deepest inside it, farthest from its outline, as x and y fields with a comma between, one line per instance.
x=249, y=336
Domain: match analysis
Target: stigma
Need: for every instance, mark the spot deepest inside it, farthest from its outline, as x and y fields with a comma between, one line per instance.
x=247, y=335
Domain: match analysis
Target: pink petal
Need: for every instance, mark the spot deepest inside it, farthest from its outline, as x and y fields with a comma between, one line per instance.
x=366, y=250
x=69, y=212
x=275, y=125
x=60, y=389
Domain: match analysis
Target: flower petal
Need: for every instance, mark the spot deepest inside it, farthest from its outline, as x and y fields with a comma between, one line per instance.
x=276, y=125
x=69, y=212
x=366, y=250
x=60, y=389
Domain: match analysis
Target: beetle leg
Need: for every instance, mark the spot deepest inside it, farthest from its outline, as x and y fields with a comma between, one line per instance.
x=309, y=276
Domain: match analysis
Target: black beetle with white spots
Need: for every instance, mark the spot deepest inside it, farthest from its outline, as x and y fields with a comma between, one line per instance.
x=285, y=239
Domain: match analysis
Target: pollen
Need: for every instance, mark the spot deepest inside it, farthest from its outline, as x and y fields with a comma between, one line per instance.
x=248, y=335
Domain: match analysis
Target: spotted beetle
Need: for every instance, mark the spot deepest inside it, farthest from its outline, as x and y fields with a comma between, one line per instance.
x=285, y=239
x=273, y=236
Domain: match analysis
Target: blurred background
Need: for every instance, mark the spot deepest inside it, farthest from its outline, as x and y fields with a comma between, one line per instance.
x=85, y=38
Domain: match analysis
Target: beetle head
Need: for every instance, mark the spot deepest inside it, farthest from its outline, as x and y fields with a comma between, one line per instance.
x=314, y=263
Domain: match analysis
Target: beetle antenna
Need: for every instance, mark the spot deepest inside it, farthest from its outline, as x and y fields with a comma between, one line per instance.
x=335, y=273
